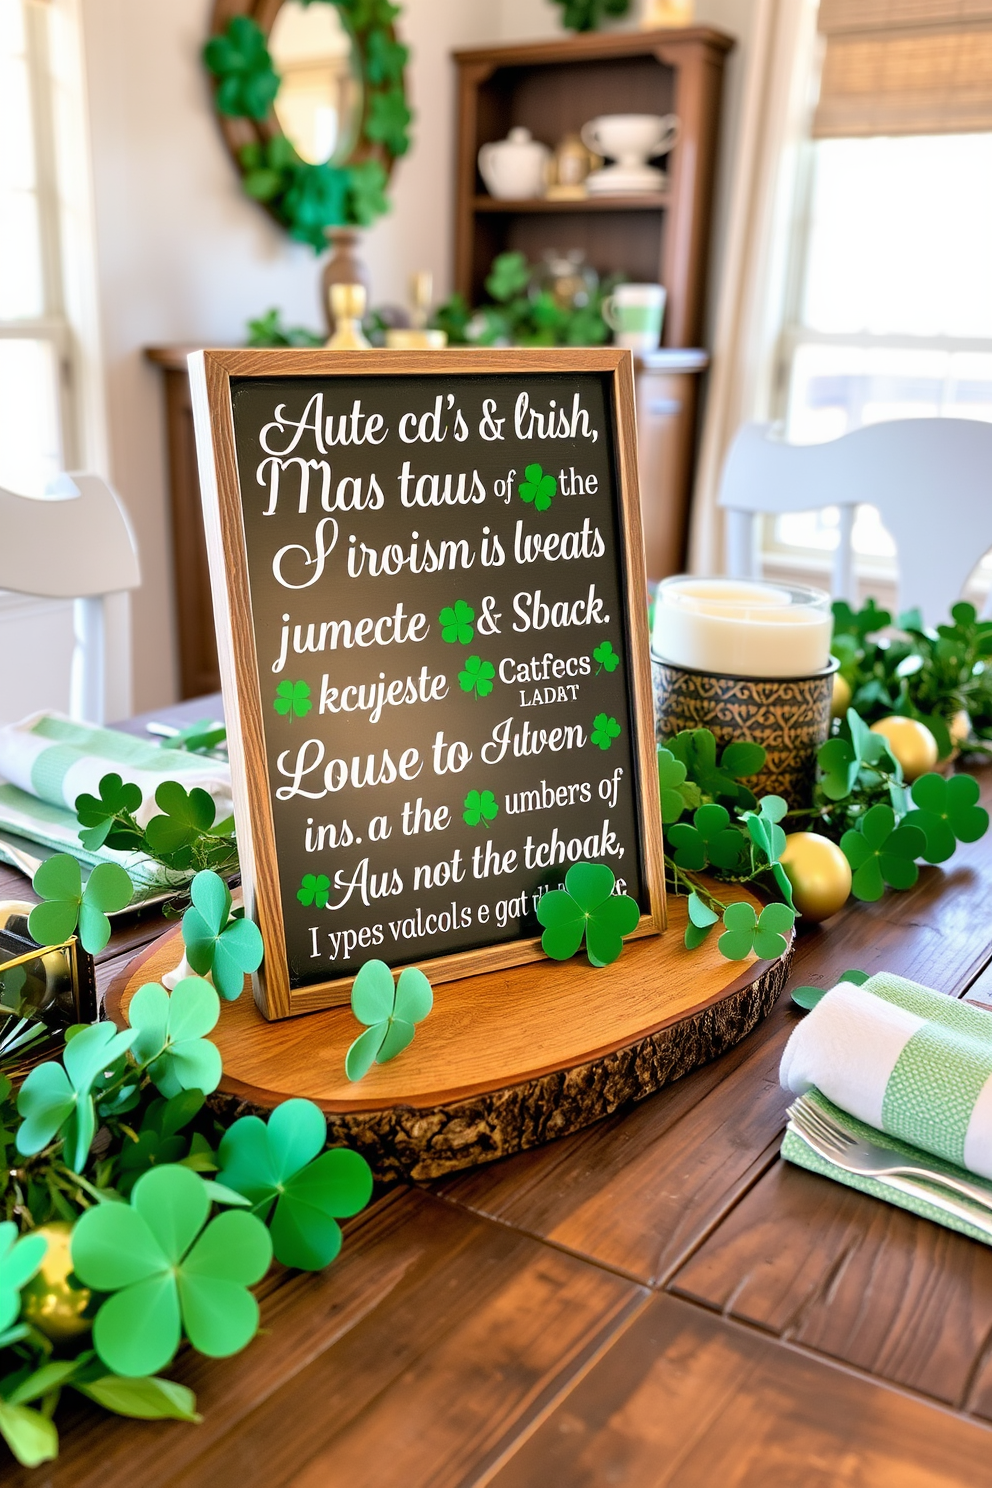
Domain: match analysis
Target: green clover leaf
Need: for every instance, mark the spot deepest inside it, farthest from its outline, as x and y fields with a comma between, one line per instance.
x=606, y=656
x=477, y=676
x=160, y=1139
x=746, y=932
x=277, y=1164
x=456, y=622
x=765, y=832
x=19, y=1261
x=537, y=488
x=946, y=814
x=839, y=766
x=239, y=59
x=677, y=793
x=480, y=807
x=710, y=840
x=604, y=730
x=808, y=997
x=696, y=750
x=67, y=903
x=701, y=922
x=98, y=815
x=58, y=1097
x=292, y=698
x=169, y=1271
x=215, y=943
x=185, y=815
x=315, y=888
x=389, y=1012
x=587, y=906
x=881, y=853
x=388, y=121
x=171, y=1035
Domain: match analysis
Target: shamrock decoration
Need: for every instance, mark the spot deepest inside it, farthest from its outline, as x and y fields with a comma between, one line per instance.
x=746, y=932
x=677, y=793
x=58, y=1097
x=59, y=881
x=19, y=1260
x=160, y=1140
x=226, y=947
x=171, y=1035
x=537, y=488
x=946, y=814
x=278, y=1164
x=587, y=906
x=169, y=1270
x=842, y=760
x=480, y=807
x=292, y=698
x=315, y=889
x=696, y=749
x=808, y=997
x=606, y=656
x=388, y=120
x=604, y=730
x=239, y=59
x=477, y=677
x=96, y=814
x=185, y=815
x=389, y=1011
x=701, y=921
x=710, y=840
x=765, y=832
x=456, y=622
x=881, y=853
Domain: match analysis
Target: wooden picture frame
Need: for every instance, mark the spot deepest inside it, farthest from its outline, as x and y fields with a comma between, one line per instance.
x=211, y=374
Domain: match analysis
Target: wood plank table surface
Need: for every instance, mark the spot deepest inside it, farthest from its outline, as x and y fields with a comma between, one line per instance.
x=656, y=1302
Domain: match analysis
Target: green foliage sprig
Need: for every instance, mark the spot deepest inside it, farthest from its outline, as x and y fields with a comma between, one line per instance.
x=115, y=1139
x=519, y=313
x=306, y=198
x=586, y=15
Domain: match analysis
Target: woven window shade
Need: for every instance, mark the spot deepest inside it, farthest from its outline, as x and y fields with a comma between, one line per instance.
x=905, y=67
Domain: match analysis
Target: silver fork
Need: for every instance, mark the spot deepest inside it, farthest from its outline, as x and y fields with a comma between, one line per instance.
x=858, y=1156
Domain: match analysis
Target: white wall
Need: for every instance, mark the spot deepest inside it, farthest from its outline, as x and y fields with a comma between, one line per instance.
x=183, y=256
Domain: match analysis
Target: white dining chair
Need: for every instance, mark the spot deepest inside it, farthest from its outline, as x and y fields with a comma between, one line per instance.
x=929, y=478
x=76, y=543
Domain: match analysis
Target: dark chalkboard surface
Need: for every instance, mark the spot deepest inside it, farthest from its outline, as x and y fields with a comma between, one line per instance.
x=429, y=586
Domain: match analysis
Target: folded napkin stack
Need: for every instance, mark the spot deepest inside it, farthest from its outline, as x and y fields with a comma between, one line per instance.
x=46, y=761
x=902, y=1066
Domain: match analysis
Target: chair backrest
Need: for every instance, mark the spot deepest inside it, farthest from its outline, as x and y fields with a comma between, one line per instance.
x=76, y=543
x=930, y=479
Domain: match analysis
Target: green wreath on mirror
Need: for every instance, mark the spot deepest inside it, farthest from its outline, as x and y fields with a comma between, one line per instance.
x=308, y=198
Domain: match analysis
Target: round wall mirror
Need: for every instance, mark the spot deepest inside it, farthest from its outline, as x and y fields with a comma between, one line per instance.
x=321, y=96
x=311, y=98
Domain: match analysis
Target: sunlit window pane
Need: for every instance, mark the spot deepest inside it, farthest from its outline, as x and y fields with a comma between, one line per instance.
x=21, y=287
x=901, y=239
x=30, y=453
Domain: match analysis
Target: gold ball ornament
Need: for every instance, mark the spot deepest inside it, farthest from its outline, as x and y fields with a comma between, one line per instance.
x=912, y=743
x=841, y=699
x=960, y=727
x=48, y=1301
x=819, y=873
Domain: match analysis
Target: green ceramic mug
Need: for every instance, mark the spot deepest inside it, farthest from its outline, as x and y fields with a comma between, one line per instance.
x=634, y=313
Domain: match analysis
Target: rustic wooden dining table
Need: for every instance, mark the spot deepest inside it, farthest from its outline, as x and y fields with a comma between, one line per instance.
x=656, y=1302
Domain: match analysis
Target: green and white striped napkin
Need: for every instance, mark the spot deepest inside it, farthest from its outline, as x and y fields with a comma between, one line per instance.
x=903, y=1066
x=46, y=761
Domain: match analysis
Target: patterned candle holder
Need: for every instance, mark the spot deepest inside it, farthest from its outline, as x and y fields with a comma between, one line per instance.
x=789, y=718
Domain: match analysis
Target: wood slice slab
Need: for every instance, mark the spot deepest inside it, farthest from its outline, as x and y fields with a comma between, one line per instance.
x=505, y=1061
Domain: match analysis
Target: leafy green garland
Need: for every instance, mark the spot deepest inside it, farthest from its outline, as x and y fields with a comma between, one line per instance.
x=308, y=198
x=517, y=318
x=585, y=15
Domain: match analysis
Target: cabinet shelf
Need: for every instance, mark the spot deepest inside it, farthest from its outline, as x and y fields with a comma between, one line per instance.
x=647, y=201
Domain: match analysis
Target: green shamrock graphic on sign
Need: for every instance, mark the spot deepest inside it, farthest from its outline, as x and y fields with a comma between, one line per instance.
x=456, y=622
x=314, y=889
x=604, y=730
x=480, y=807
x=477, y=676
x=607, y=657
x=292, y=698
x=538, y=488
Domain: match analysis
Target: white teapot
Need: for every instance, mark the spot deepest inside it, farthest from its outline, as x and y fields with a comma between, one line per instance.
x=515, y=168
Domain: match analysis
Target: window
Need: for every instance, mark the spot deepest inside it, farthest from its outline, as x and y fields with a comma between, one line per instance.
x=892, y=304
x=37, y=428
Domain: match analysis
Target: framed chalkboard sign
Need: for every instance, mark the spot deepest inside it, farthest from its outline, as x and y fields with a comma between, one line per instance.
x=429, y=591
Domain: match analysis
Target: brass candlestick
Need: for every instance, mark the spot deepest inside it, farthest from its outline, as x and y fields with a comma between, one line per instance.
x=348, y=303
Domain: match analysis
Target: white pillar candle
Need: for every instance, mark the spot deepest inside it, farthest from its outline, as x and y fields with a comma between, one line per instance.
x=742, y=628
